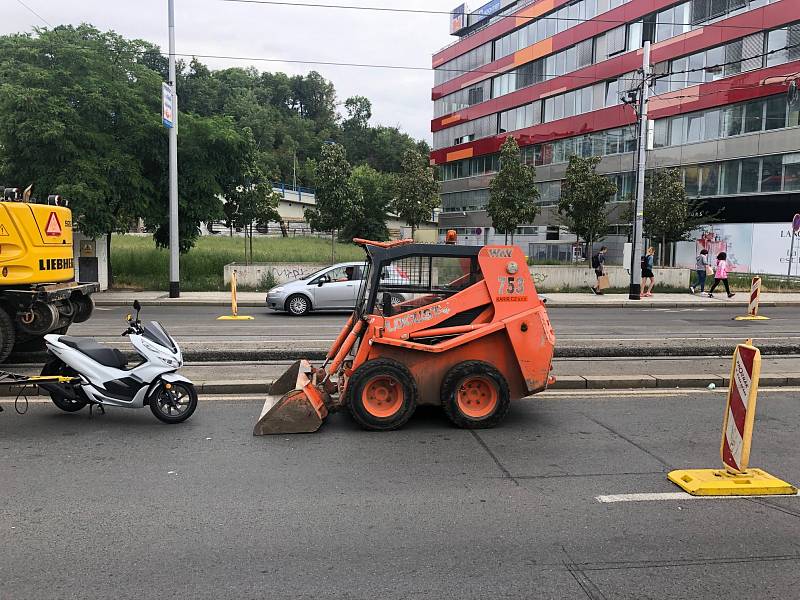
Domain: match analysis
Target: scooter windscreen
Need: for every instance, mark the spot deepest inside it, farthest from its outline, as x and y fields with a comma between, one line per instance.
x=155, y=332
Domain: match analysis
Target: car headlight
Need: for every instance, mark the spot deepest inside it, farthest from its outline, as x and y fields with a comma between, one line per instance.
x=276, y=290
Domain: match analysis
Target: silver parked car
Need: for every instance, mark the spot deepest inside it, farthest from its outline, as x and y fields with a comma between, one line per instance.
x=331, y=288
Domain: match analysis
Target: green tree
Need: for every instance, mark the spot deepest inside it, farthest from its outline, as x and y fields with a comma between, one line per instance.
x=669, y=214
x=584, y=197
x=371, y=203
x=214, y=157
x=251, y=204
x=512, y=192
x=359, y=112
x=79, y=116
x=416, y=190
x=334, y=194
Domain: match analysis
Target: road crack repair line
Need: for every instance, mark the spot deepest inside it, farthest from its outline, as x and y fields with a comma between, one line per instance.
x=680, y=563
x=630, y=441
x=506, y=473
x=588, y=586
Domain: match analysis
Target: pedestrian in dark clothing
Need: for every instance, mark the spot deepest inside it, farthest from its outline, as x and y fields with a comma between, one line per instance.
x=701, y=268
x=599, y=266
x=648, y=262
x=721, y=274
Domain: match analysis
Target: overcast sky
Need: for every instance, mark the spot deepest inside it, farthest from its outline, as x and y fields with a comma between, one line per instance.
x=214, y=27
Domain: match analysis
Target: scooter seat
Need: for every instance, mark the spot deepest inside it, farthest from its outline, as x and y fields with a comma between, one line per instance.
x=106, y=356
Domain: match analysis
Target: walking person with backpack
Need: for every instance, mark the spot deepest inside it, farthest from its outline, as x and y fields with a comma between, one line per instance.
x=721, y=275
x=599, y=266
x=702, y=269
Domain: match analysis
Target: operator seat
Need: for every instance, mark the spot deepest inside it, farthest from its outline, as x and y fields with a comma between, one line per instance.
x=105, y=355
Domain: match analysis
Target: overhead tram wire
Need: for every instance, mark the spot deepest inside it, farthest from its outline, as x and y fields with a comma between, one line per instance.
x=417, y=68
x=442, y=12
x=34, y=13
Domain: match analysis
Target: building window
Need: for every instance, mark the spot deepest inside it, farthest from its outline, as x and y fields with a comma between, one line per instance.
x=753, y=116
x=791, y=172
x=694, y=130
x=729, y=174
x=751, y=170
x=691, y=180
x=771, y=174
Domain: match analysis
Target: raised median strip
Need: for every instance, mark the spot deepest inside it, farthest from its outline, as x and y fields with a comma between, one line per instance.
x=571, y=349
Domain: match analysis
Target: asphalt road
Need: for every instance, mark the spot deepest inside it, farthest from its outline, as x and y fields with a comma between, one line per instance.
x=120, y=506
x=611, y=330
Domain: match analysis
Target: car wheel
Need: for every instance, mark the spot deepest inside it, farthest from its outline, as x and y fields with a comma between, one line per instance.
x=298, y=305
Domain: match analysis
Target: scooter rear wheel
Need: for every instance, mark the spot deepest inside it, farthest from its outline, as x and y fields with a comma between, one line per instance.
x=173, y=404
x=58, y=367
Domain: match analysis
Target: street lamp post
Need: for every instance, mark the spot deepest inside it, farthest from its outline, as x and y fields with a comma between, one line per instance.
x=638, y=217
x=174, y=240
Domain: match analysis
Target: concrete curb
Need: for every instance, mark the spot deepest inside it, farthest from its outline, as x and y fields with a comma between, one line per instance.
x=567, y=382
x=683, y=349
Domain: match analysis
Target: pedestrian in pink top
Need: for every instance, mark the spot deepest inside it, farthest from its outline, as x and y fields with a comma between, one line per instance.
x=721, y=274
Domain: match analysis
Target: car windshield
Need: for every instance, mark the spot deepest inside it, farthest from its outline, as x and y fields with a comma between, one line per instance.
x=154, y=332
x=314, y=274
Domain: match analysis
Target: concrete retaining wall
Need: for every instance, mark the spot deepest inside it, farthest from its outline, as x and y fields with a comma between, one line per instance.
x=253, y=275
x=556, y=278
x=550, y=278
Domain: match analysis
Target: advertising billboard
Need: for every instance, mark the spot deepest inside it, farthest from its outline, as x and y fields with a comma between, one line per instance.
x=458, y=18
x=751, y=248
x=488, y=9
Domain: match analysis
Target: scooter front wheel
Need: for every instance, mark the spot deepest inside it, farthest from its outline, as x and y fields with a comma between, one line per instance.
x=173, y=402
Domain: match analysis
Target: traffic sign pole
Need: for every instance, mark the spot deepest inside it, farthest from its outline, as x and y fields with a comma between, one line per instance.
x=795, y=230
x=174, y=243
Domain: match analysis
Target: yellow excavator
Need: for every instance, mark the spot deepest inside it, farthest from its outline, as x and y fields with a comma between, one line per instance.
x=38, y=291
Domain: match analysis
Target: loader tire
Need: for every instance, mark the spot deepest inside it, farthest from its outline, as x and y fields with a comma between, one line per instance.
x=7, y=335
x=475, y=395
x=382, y=395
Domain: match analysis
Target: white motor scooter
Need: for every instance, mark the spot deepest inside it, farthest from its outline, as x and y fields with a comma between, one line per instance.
x=96, y=374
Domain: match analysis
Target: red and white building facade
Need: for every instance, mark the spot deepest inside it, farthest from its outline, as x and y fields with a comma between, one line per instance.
x=553, y=73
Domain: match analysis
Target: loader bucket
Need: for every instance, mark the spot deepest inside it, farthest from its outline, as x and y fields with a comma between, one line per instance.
x=293, y=404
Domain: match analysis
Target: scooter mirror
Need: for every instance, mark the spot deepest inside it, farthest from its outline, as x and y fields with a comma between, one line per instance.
x=136, y=306
x=128, y=318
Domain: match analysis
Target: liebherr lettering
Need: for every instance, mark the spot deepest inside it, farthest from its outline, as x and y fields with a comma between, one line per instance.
x=56, y=264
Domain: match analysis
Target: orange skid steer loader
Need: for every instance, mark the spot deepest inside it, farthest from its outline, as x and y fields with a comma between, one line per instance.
x=457, y=326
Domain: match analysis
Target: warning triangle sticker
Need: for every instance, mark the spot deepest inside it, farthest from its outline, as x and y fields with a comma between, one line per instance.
x=53, y=226
x=3, y=231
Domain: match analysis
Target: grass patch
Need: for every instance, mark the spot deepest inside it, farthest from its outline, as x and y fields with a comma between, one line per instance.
x=137, y=263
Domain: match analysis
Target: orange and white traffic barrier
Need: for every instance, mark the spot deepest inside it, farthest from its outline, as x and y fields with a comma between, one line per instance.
x=234, y=316
x=752, y=307
x=736, y=478
x=740, y=413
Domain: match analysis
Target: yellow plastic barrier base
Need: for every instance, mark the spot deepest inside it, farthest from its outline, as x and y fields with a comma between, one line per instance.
x=751, y=318
x=232, y=318
x=718, y=482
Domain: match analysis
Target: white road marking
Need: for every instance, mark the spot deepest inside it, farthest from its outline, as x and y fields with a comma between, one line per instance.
x=655, y=497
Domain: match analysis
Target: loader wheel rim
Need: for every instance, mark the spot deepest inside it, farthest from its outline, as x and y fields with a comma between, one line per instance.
x=477, y=397
x=383, y=396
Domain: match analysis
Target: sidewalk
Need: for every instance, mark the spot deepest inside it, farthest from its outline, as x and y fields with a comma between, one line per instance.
x=555, y=300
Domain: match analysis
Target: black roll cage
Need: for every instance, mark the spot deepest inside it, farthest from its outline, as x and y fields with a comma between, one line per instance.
x=379, y=256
